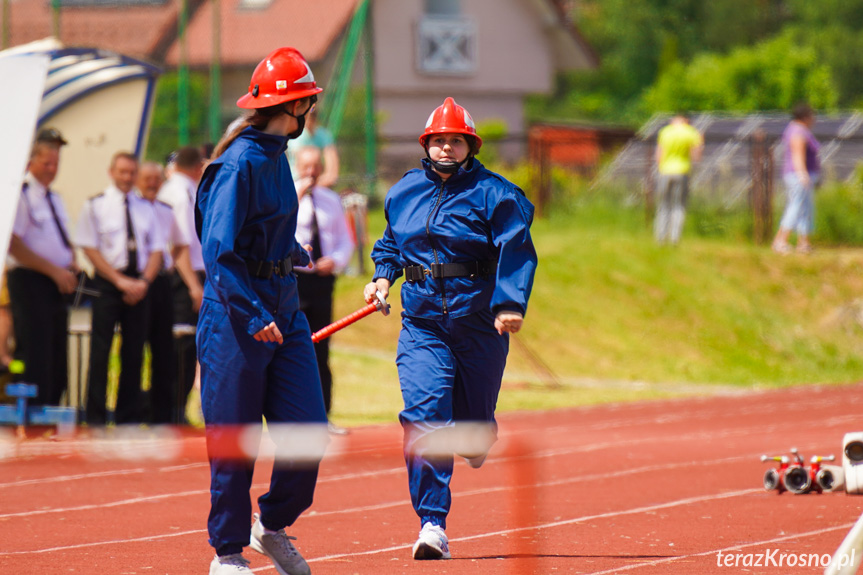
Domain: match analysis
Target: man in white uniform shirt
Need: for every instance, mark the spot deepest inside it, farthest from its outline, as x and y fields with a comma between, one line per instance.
x=321, y=224
x=160, y=331
x=180, y=191
x=120, y=237
x=41, y=273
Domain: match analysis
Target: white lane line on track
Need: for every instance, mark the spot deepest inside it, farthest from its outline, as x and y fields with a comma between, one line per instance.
x=845, y=527
x=553, y=524
x=103, y=543
x=838, y=421
x=119, y=503
x=390, y=504
x=543, y=484
x=163, y=496
x=633, y=511
x=95, y=474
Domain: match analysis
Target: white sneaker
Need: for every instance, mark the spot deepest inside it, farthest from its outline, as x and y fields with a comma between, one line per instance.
x=278, y=547
x=337, y=429
x=432, y=543
x=234, y=564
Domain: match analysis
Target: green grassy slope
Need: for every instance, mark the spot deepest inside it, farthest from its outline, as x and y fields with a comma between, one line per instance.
x=615, y=317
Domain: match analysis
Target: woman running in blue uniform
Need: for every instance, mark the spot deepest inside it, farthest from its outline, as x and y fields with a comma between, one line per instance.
x=254, y=345
x=460, y=234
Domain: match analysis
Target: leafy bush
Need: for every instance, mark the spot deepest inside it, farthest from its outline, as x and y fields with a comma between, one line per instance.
x=164, y=128
x=837, y=213
x=493, y=131
x=770, y=75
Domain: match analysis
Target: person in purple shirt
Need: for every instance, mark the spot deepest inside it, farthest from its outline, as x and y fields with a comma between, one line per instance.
x=801, y=170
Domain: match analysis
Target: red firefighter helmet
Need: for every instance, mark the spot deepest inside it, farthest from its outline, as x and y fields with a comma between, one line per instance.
x=282, y=76
x=450, y=118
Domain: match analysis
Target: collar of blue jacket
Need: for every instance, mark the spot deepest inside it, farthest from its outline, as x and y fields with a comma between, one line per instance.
x=272, y=145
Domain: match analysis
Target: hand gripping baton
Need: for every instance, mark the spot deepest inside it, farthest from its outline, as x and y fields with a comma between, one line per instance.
x=380, y=304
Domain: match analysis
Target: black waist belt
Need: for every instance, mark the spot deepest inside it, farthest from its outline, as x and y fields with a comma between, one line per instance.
x=418, y=273
x=266, y=270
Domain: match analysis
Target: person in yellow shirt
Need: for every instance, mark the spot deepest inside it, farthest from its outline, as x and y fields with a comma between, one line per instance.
x=678, y=145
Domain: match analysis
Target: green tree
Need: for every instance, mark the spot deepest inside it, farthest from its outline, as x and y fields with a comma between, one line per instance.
x=643, y=43
x=164, y=133
x=768, y=76
x=833, y=29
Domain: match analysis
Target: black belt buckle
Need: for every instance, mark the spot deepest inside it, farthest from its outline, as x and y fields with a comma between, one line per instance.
x=282, y=268
x=415, y=273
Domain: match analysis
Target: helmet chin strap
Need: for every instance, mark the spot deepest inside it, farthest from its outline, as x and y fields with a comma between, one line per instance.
x=301, y=123
x=446, y=167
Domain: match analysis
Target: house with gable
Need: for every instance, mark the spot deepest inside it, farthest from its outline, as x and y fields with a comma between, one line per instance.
x=487, y=54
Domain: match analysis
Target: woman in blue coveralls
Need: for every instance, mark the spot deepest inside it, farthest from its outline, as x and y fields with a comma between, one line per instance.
x=254, y=345
x=460, y=234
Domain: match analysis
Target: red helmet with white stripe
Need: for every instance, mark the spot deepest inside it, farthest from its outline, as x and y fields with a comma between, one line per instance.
x=450, y=118
x=281, y=77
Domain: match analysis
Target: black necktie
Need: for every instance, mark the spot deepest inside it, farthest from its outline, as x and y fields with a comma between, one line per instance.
x=317, y=252
x=60, y=229
x=131, y=244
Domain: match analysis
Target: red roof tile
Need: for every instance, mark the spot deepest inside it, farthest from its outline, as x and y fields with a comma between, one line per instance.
x=131, y=30
x=249, y=34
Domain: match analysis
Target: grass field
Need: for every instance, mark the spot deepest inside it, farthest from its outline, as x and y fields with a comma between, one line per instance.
x=615, y=317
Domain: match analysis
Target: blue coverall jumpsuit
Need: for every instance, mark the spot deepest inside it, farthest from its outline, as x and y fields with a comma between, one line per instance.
x=450, y=358
x=247, y=211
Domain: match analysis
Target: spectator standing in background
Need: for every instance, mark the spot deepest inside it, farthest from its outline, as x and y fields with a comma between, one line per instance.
x=317, y=136
x=180, y=191
x=320, y=223
x=160, y=297
x=801, y=171
x=5, y=324
x=678, y=145
x=42, y=273
x=119, y=235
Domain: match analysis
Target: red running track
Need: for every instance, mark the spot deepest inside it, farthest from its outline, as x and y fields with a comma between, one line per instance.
x=642, y=488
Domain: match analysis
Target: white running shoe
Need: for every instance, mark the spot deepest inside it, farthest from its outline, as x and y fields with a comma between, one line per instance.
x=234, y=564
x=432, y=543
x=278, y=547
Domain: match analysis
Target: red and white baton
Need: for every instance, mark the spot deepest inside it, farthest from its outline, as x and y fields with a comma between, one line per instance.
x=380, y=304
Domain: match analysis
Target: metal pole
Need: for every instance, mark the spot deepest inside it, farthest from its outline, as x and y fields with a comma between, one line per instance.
x=183, y=78
x=649, y=195
x=337, y=98
x=371, y=125
x=216, y=74
x=7, y=16
x=55, y=18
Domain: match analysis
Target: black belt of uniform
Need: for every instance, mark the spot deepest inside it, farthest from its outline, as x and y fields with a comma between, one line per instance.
x=418, y=273
x=267, y=269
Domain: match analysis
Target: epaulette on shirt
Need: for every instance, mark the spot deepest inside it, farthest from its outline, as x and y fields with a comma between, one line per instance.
x=166, y=204
x=93, y=197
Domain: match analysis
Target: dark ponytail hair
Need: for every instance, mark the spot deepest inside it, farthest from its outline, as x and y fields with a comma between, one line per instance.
x=257, y=118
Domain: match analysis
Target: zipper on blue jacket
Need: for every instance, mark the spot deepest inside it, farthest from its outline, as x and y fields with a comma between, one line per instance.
x=434, y=251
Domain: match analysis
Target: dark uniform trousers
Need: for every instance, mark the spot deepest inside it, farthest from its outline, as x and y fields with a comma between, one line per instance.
x=108, y=309
x=41, y=321
x=316, y=301
x=160, y=336
x=185, y=351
